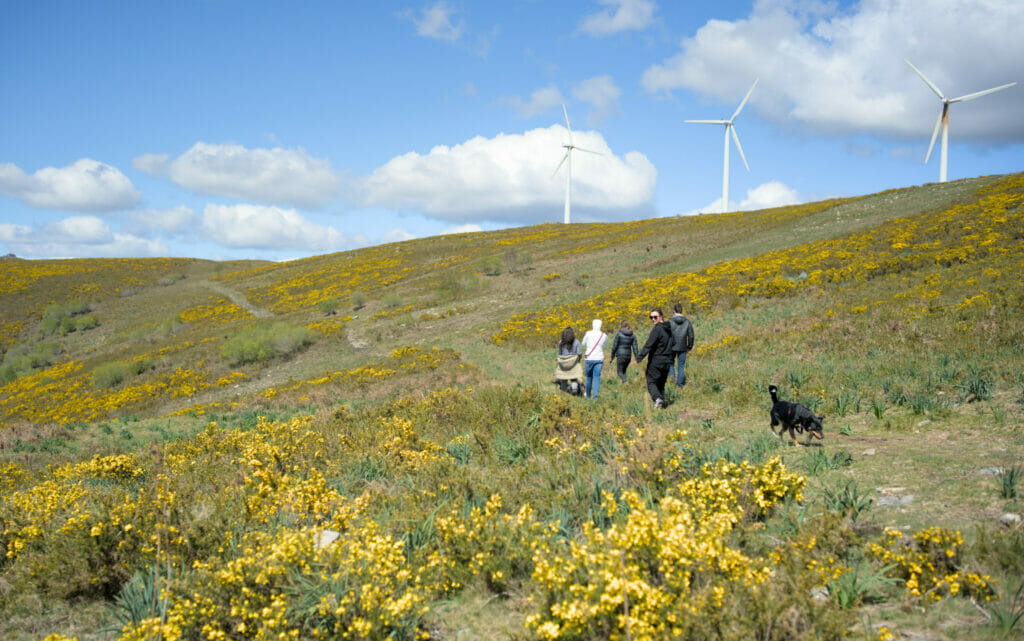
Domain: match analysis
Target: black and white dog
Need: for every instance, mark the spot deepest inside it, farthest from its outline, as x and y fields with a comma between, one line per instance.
x=794, y=417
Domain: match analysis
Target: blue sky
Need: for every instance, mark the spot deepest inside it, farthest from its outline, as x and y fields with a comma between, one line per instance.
x=245, y=129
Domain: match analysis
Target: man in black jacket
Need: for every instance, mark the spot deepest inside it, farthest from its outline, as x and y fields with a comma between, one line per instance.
x=659, y=347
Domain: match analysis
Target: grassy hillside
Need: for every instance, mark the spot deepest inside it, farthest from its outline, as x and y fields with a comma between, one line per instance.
x=177, y=434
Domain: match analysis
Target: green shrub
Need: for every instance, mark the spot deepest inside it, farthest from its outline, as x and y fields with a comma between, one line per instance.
x=87, y=322
x=491, y=265
x=52, y=316
x=358, y=300
x=261, y=343
x=77, y=308
x=328, y=306
x=45, y=354
x=67, y=325
x=109, y=374
x=142, y=365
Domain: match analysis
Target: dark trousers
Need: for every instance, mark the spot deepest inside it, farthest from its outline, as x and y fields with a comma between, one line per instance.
x=621, y=364
x=657, y=374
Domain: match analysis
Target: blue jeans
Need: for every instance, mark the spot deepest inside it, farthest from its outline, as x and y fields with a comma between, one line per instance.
x=681, y=370
x=593, y=377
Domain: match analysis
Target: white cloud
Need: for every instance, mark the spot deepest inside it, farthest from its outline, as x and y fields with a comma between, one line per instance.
x=152, y=164
x=276, y=176
x=396, y=235
x=540, y=101
x=467, y=228
x=257, y=227
x=79, y=237
x=623, y=15
x=764, y=196
x=602, y=94
x=509, y=178
x=85, y=185
x=174, y=220
x=436, y=22
x=841, y=70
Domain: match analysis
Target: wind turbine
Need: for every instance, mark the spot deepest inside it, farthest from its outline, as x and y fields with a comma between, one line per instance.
x=730, y=128
x=943, y=120
x=567, y=161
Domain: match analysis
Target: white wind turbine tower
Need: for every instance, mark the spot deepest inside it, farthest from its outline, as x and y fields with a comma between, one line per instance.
x=730, y=128
x=943, y=120
x=567, y=161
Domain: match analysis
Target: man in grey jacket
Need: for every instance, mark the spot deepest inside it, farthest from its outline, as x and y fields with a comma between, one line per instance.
x=682, y=343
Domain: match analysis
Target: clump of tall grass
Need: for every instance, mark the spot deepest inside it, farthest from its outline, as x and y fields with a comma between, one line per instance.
x=847, y=501
x=860, y=584
x=1006, y=613
x=977, y=384
x=1008, y=478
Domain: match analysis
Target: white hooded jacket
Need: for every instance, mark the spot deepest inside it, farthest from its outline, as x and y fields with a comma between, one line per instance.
x=594, y=342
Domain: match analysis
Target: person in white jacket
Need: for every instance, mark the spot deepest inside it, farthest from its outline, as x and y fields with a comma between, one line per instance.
x=593, y=357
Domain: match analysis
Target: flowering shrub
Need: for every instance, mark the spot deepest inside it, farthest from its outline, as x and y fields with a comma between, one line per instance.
x=931, y=564
x=656, y=571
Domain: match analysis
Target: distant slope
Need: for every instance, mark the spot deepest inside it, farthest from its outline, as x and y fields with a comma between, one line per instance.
x=167, y=321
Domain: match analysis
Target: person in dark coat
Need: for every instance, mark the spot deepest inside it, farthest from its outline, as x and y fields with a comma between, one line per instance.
x=624, y=347
x=659, y=349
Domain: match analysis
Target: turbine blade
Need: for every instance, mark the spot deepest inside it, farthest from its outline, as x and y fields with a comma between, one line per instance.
x=926, y=81
x=935, y=134
x=736, y=139
x=567, y=126
x=710, y=122
x=589, y=151
x=567, y=152
x=745, y=98
x=979, y=94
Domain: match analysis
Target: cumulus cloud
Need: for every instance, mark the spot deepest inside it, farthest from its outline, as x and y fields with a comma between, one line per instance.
x=152, y=164
x=841, y=70
x=78, y=237
x=509, y=178
x=540, y=101
x=85, y=185
x=764, y=196
x=396, y=235
x=468, y=228
x=258, y=227
x=602, y=94
x=275, y=176
x=436, y=21
x=622, y=15
x=173, y=220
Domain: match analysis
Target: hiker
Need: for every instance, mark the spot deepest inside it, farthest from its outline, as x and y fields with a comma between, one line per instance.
x=569, y=370
x=624, y=343
x=682, y=343
x=659, y=347
x=593, y=359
